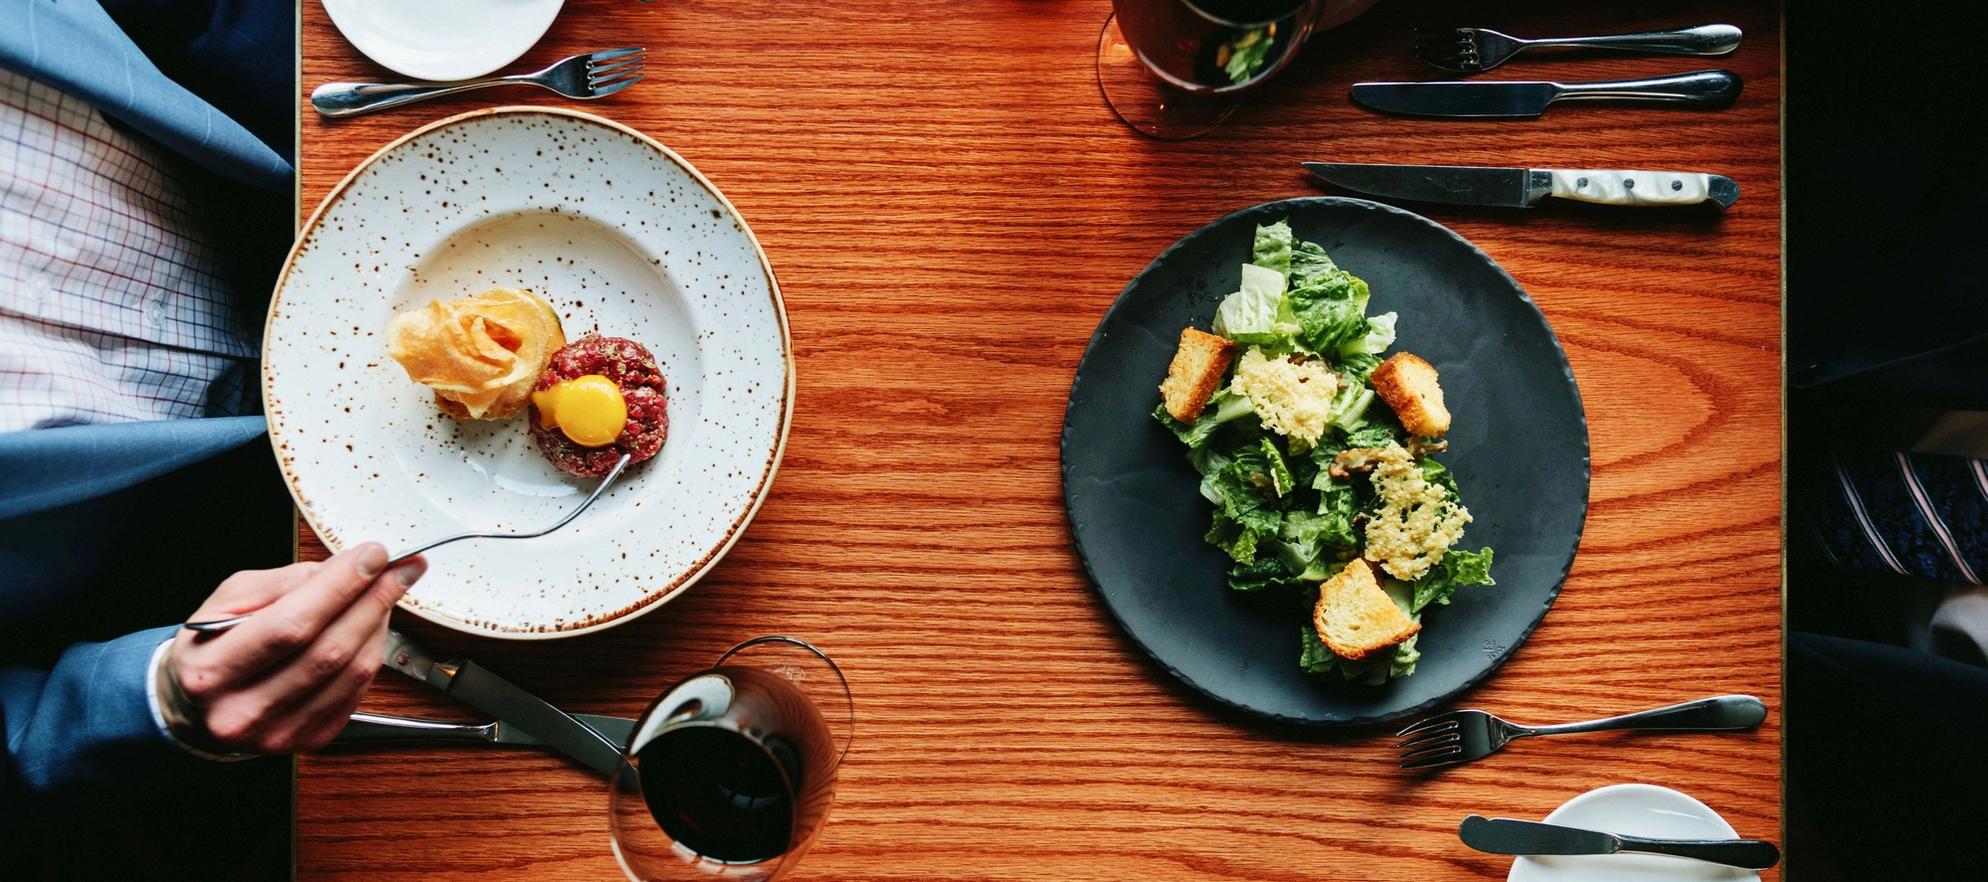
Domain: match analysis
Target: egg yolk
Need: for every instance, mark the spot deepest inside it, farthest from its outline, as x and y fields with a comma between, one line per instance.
x=588, y=409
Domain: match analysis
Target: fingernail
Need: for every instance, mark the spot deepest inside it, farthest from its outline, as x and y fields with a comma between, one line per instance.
x=372, y=559
x=410, y=571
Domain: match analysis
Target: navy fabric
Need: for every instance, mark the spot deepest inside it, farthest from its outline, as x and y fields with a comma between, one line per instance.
x=78, y=729
x=75, y=46
x=1871, y=512
x=91, y=705
x=44, y=469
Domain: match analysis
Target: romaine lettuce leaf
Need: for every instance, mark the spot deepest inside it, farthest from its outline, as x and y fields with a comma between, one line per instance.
x=1256, y=576
x=1257, y=313
x=1373, y=434
x=1223, y=407
x=1236, y=540
x=1379, y=336
x=1272, y=249
x=1457, y=568
x=1279, y=473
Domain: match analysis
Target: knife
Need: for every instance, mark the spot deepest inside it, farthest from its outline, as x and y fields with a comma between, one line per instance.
x=470, y=683
x=1523, y=98
x=1509, y=836
x=368, y=727
x=1520, y=187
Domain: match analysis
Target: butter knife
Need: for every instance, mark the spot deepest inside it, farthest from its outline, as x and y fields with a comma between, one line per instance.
x=1511, y=836
x=1522, y=98
x=475, y=686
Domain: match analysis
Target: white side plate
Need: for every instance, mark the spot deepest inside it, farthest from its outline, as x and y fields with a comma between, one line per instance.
x=1638, y=810
x=442, y=39
x=622, y=236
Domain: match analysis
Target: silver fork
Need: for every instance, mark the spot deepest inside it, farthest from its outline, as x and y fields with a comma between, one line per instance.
x=1469, y=50
x=213, y=626
x=594, y=75
x=1461, y=736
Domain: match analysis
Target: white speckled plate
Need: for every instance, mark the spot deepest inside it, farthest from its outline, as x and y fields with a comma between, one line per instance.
x=621, y=236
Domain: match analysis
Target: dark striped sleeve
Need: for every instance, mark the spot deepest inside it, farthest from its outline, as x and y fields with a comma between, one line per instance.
x=1922, y=515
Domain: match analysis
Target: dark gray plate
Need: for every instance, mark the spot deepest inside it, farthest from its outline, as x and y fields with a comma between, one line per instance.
x=1518, y=448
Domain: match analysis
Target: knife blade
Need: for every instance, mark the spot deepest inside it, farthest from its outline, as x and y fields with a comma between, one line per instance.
x=477, y=687
x=1520, y=187
x=1512, y=836
x=366, y=726
x=1511, y=99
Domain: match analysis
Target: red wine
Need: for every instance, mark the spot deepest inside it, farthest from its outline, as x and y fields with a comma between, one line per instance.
x=718, y=793
x=734, y=797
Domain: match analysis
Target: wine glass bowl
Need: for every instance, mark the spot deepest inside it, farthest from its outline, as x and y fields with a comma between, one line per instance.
x=1174, y=69
x=732, y=771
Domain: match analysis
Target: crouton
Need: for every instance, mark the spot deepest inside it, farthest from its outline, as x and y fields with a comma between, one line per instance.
x=1408, y=385
x=1355, y=618
x=1196, y=373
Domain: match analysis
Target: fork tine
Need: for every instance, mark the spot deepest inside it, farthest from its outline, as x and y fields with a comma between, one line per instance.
x=1444, y=717
x=1425, y=739
x=601, y=71
x=1446, y=744
x=607, y=54
x=605, y=80
x=604, y=91
x=1434, y=762
x=1431, y=732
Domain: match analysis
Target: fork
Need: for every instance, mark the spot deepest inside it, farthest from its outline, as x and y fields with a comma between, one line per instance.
x=1470, y=50
x=215, y=626
x=594, y=75
x=1464, y=735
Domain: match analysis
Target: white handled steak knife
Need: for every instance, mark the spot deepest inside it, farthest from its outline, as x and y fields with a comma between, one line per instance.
x=1520, y=187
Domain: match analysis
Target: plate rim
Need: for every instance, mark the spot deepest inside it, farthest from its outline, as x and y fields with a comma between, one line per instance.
x=331, y=12
x=1645, y=791
x=1580, y=414
x=759, y=492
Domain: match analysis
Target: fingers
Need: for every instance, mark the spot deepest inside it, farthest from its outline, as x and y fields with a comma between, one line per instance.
x=251, y=590
x=289, y=708
x=319, y=718
x=289, y=623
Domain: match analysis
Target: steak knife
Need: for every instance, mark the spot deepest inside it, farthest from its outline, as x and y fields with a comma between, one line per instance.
x=1509, y=836
x=386, y=727
x=471, y=684
x=1519, y=187
x=1526, y=98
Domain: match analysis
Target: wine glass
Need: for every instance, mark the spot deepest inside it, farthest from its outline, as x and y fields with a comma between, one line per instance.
x=731, y=772
x=1174, y=69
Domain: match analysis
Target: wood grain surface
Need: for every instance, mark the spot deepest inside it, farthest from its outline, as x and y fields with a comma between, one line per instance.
x=950, y=208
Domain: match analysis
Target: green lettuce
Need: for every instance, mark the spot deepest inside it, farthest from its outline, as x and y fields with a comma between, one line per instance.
x=1257, y=312
x=1456, y=569
x=1223, y=407
x=1272, y=248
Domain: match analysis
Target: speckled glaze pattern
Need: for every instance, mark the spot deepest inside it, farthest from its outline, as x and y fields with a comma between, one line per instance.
x=623, y=237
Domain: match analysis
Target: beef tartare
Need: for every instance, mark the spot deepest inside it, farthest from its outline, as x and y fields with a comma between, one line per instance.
x=633, y=372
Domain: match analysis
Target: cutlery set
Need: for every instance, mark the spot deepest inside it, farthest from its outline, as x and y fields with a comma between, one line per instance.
x=1472, y=50
x=1462, y=736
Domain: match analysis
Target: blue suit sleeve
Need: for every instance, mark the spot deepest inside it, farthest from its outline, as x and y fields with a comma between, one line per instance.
x=77, y=722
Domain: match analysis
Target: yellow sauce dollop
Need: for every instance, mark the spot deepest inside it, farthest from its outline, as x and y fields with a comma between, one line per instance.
x=589, y=410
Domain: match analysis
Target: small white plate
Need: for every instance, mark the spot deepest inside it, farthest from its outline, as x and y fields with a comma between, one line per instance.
x=621, y=236
x=1637, y=810
x=443, y=39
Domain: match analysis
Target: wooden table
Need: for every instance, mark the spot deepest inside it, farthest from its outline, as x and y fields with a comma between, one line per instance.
x=950, y=208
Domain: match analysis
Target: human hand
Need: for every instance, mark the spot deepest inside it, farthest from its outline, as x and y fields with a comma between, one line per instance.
x=286, y=679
